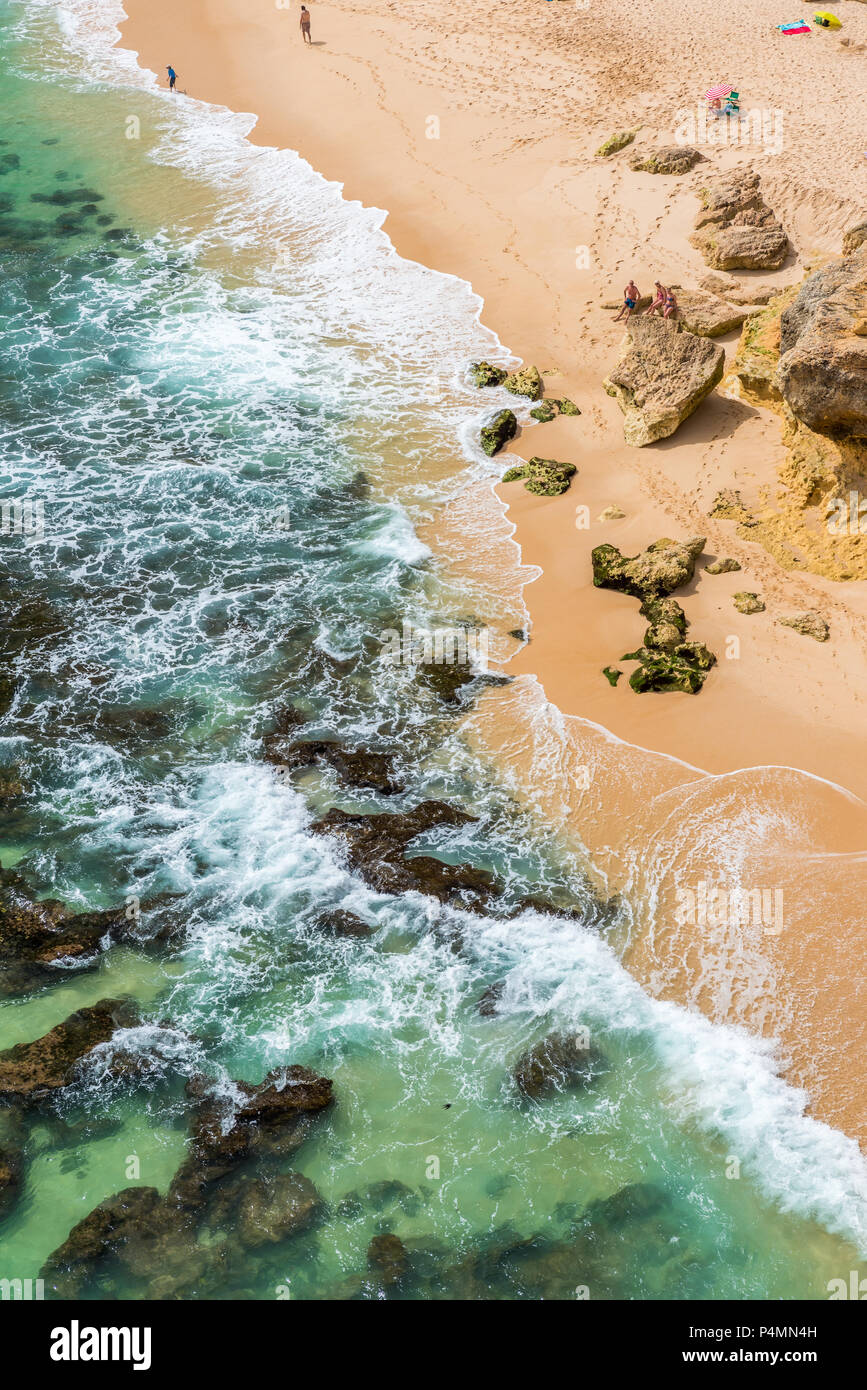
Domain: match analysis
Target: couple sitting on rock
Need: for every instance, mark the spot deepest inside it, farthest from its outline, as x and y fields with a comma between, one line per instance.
x=664, y=301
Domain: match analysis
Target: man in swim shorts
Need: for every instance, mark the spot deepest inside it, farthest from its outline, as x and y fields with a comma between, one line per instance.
x=305, y=24
x=631, y=296
x=173, y=77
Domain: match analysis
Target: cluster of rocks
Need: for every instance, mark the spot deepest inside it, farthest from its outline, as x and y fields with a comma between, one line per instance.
x=735, y=229
x=527, y=382
x=667, y=660
x=664, y=374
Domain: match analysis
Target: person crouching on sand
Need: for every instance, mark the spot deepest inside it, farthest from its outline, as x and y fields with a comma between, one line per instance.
x=659, y=299
x=305, y=24
x=631, y=296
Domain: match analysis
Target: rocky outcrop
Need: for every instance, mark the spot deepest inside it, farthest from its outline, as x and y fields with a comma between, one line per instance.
x=663, y=376
x=544, y=477
x=343, y=923
x=356, y=767
x=747, y=602
x=269, y=1120
x=36, y=934
x=808, y=625
x=822, y=372
x=31, y=1072
x=618, y=141
x=559, y=1062
x=707, y=315
x=667, y=660
x=656, y=572
x=525, y=382
x=377, y=845
x=498, y=432
x=668, y=159
x=735, y=229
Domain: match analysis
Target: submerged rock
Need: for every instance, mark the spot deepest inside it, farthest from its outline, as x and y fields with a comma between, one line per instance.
x=747, y=602
x=544, y=477
x=11, y=1168
x=618, y=141
x=356, y=767
x=271, y=1119
x=268, y=1210
x=387, y=1258
x=557, y=1063
x=377, y=850
x=104, y=1231
x=484, y=374
x=656, y=572
x=808, y=625
x=30, y=1072
x=668, y=159
x=342, y=923
x=662, y=377
x=527, y=381
x=487, y=1005
x=498, y=432
x=822, y=372
x=36, y=934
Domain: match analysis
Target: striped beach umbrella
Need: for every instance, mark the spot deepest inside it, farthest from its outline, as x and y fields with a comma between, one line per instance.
x=722, y=89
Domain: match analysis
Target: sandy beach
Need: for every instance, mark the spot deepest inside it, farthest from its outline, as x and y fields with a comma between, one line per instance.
x=477, y=130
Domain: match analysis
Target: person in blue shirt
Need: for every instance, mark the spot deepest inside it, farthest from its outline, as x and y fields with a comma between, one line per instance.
x=173, y=77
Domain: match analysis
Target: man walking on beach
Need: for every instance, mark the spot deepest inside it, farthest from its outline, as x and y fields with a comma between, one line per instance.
x=173, y=77
x=305, y=24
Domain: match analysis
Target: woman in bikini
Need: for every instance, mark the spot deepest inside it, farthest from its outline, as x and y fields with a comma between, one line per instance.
x=659, y=298
x=670, y=305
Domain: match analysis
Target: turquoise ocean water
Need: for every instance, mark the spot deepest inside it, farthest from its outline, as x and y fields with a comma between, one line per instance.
x=236, y=406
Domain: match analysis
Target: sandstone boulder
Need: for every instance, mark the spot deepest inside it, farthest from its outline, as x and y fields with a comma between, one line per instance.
x=669, y=159
x=735, y=229
x=746, y=602
x=707, y=315
x=726, y=565
x=662, y=377
x=809, y=625
x=855, y=237
x=823, y=349
x=268, y=1210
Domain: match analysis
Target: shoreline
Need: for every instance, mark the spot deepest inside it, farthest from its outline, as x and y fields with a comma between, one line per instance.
x=783, y=707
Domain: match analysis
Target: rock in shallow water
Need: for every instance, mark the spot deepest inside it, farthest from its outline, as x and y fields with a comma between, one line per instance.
x=30, y=1072
x=557, y=1063
x=498, y=432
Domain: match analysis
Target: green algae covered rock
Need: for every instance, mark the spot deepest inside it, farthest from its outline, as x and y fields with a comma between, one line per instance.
x=684, y=669
x=657, y=571
x=567, y=407
x=618, y=141
x=543, y=477
x=544, y=412
x=484, y=374
x=612, y=674
x=525, y=382
x=746, y=602
x=498, y=432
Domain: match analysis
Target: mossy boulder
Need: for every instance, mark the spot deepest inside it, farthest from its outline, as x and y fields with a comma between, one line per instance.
x=544, y=412
x=612, y=674
x=808, y=625
x=525, y=382
x=618, y=141
x=747, y=602
x=656, y=572
x=669, y=159
x=485, y=374
x=543, y=477
x=725, y=565
x=683, y=669
x=566, y=407
x=498, y=432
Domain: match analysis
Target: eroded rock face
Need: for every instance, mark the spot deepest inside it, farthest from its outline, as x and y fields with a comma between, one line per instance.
x=823, y=349
x=30, y=1072
x=657, y=571
x=855, y=237
x=668, y=159
x=735, y=229
x=559, y=1062
x=663, y=376
x=377, y=850
x=544, y=477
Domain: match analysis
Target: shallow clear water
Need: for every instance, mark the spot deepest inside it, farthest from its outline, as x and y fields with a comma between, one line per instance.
x=236, y=405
